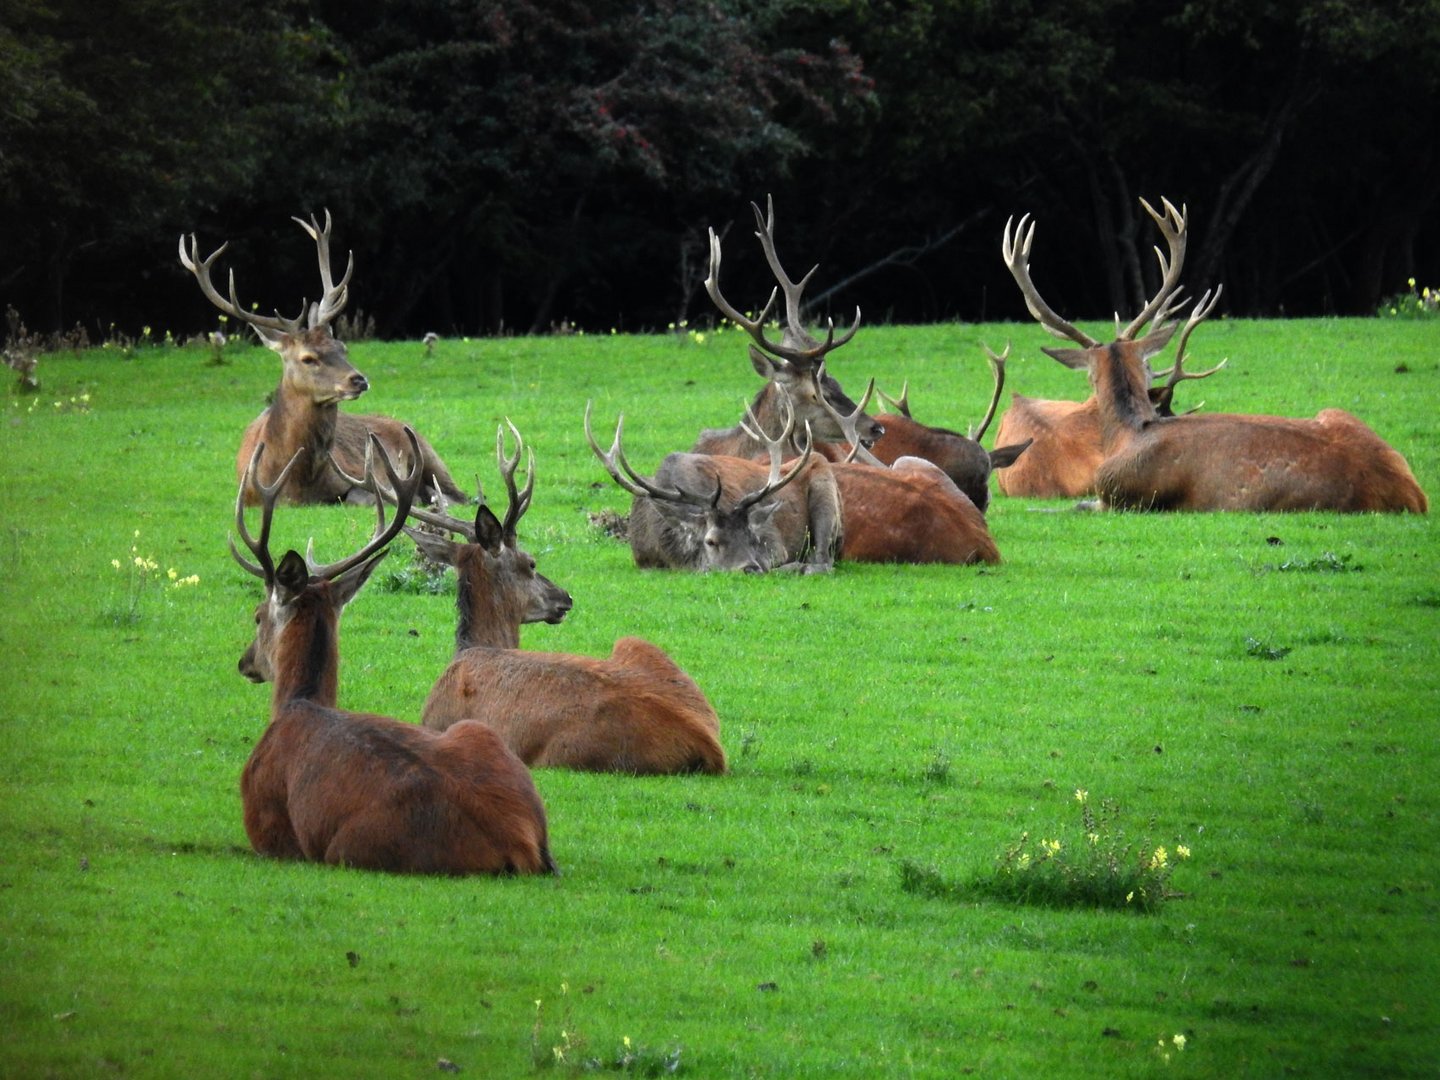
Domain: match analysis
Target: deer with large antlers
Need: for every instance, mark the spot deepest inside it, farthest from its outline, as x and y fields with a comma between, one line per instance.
x=793, y=367
x=717, y=512
x=907, y=510
x=634, y=712
x=1208, y=461
x=316, y=375
x=327, y=785
x=960, y=457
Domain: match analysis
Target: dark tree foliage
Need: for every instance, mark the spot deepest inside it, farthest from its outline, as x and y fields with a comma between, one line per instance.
x=513, y=165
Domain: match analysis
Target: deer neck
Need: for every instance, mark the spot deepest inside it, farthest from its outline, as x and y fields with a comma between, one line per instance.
x=307, y=656
x=484, y=622
x=1122, y=390
x=296, y=423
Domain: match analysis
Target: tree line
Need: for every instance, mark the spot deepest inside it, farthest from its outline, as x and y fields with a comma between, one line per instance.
x=521, y=165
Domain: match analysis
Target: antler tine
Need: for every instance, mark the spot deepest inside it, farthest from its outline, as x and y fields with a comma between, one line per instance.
x=848, y=424
x=404, y=495
x=901, y=404
x=519, y=502
x=334, y=298
x=754, y=327
x=265, y=325
x=777, y=479
x=997, y=368
x=264, y=568
x=623, y=474
x=1197, y=316
x=1172, y=225
x=1015, y=250
x=437, y=516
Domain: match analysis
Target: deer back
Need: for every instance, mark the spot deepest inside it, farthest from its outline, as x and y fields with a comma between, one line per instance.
x=635, y=712
x=910, y=512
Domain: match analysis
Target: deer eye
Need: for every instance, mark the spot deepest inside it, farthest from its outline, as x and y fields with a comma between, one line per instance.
x=309, y=360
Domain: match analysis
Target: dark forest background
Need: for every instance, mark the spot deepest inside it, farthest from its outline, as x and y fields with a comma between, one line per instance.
x=514, y=165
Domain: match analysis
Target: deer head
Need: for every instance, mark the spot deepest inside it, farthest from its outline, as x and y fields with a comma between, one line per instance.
x=796, y=363
x=297, y=585
x=317, y=368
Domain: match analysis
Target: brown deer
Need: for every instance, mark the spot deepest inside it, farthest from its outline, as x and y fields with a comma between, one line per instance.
x=960, y=457
x=1210, y=461
x=793, y=368
x=316, y=375
x=907, y=511
x=635, y=712
x=717, y=512
x=328, y=785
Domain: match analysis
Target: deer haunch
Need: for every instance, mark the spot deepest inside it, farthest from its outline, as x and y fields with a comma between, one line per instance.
x=374, y=793
x=1064, y=453
x=962, y=459
x=1244, y=462
x=911, y=513
x=636, y=712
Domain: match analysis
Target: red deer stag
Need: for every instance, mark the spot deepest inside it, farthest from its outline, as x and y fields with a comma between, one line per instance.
x=328, y=785
x=316, y=375
x=635, y=712
x=908, y=511
x=716, y=512
x=793, y=368
x=960, y=457
x=1210, y=461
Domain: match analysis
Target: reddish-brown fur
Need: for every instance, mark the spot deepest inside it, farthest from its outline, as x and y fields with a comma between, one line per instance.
x=962, y=459
x=636, y=712
x=912, y=513
x=329, y=785
x=1064, y=455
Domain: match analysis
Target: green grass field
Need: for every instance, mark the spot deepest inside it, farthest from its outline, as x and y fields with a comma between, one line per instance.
x=1262, y=689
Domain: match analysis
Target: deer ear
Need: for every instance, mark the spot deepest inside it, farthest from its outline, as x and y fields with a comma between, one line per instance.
x=1002, y=457
x=438, y=548
x=344, y=587
x=1071, y=358
x=767, y=367
x=489, y=533
x=1156, y=340
x=292, y=576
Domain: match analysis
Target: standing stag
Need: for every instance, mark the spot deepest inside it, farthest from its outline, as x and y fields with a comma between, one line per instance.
x=635, y=712
x=716, y=512
x=328, y=785
x=1212, y=461
x=793, y=368
x=304, y=422
x=960, y=457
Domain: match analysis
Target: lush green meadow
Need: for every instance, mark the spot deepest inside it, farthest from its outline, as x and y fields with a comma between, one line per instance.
x=1260, y=689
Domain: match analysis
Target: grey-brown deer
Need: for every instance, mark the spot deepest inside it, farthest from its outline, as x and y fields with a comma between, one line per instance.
x=1208, y=461
x=328, y=785
x=717, y=512
x=634, y=712
x=316, y=375
x=793, y=367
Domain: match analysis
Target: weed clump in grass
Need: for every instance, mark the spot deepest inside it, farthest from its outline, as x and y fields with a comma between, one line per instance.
x=570, y=1051
x=1096, y=867
x=1326, y=561
x=143, y=577
x=1263, y=650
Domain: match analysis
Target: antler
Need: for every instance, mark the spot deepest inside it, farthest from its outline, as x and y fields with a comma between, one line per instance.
x=1178, y=374
x=519, y=501
x=1015, y=250
x=623, y=474
x=848, y=426
x=268, y=327
x=264, y=568
x=997, y=368
x=796, y=345
x=776, y=446
x=1172, y=226
x=401, y=492
x=900, y=404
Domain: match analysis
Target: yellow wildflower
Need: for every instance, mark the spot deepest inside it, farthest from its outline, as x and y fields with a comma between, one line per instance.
x=1081, y=794
x=1182, y=851
x=1179, y=1041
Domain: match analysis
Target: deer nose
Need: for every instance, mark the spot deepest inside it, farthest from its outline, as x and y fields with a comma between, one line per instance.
x=753, y=567
x=359, y=383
